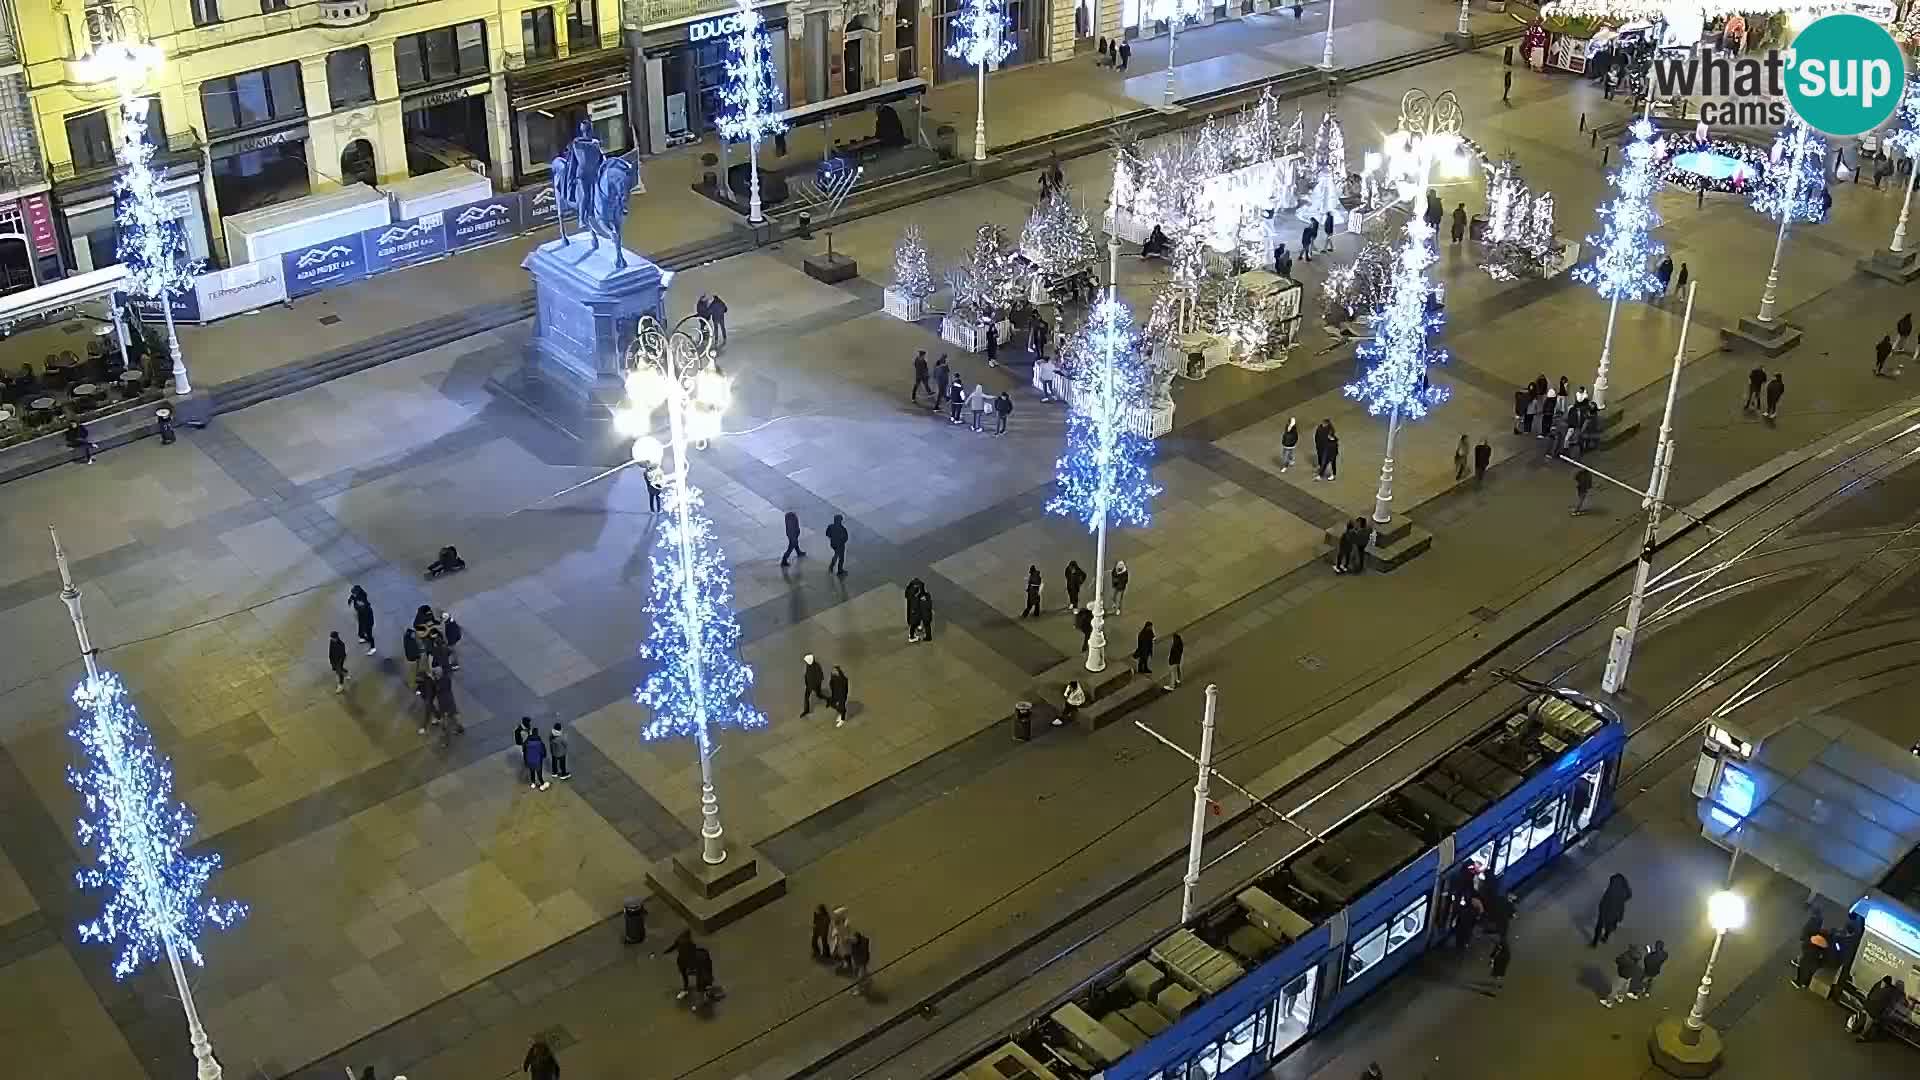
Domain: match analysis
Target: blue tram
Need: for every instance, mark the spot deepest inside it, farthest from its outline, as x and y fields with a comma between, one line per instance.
x=1225, y=996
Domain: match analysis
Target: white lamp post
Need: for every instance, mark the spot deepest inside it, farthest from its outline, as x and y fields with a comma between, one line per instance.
x=1899, y=244
x=1463, y=29
x=1691, y=1047
x=674, y=369
x=1725, y=911
x=1178, y=16
x=1798, y=141
x=1326, y=50
x=752, y=95
x=980, y=38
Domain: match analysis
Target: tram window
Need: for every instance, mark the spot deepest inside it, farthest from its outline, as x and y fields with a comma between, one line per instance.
x=1408, y=924
x=1206, y=1066
x=1239, y=1043
x=1537, y=829
x=1296, y=1009
x=1586, y=795
x=1371, y=950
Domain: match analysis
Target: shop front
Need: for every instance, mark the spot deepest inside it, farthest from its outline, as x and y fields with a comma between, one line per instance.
x=446, y=127
x=86, y=208
x=260, y=168
x=687, y=71
x=549, y=106
x=1027, y=22
x=29, y=246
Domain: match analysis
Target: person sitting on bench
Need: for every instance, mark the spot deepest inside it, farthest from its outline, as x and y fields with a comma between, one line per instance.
x=1157, y=245
x=448, y=561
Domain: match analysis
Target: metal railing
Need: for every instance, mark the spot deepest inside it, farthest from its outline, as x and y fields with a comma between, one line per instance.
x=178, y=144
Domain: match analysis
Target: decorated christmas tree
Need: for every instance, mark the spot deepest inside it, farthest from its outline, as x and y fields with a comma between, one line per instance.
x=1058, y=239
x=1327, y=172
x=912, y=276
x=1360, y=286
x=989, y=284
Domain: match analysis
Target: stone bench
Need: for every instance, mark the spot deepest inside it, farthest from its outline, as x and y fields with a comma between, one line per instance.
x=1107, y=692
x=129, y=421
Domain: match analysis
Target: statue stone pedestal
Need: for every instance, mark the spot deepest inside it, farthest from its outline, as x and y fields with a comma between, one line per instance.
x=586, y=312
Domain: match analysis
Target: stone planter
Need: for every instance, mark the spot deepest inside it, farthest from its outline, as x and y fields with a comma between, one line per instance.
x=902, y=306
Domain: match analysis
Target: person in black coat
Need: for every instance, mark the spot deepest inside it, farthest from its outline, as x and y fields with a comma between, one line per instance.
x=837, y=540
x=1083, y=622
x=1344, y=553
x=912, y=598
x=1482, y=457
x=956, y=399
x=1459, y=223
x=363, y=616
x=337, y=660
x=1002, y=408
x=837, y=694
x=920, y=377
x=942, y=375
x=1143, y=650
x=1613, y=908
x=817, y=944
x=1075, y=578
x=793, y=538
x=1033, y=593
x=993, y=344
x=815, y=681
x=926, y=614
x=1176, y=652
x=1881, y=350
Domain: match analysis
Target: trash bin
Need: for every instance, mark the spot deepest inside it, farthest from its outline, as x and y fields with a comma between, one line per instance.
x=1022, y=721
x=635, y=930
x=805, y=226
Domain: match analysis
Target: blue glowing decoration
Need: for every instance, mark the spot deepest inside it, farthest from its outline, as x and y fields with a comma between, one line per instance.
x=1791, y=189
x=1398, y=354
x=1903, y=136
x=1623, y=269
x=751, y=98
x=698, y=681
x=154, y=892
x=1103, y=475
x=980, y=34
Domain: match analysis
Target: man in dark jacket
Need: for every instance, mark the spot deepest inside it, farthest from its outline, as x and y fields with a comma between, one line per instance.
x=717, y=311
x=1482, y=457
x=1002, y=408
x=1775, y=391
x=1143, y=650
x=926, y=614
x=1626, y=971
x=837, y=540
x=913, y=609
x=837, y=694
x=1083, y=622
x=1344, y=553
x=80, y=442
x=1033, y=593
x=920, y=376
x=817, y=944
x=942, y=375
x=793, y=538
x=337, y=660
x=1756, y=384
x=1650, y=966
x=1075, y=578
x=816, y=685
x=1613, y=908
x=451, y=631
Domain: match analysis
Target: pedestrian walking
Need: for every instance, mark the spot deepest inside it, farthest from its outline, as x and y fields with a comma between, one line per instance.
x=1143, y=649
x=1307, y=236
x=1903, y=332
x=1582, y=487
x=839, y=937
x=1071, y=700
x=1459, y=224
x=1482, y=457
x=837, y=540
x=1044, y=373
x=1326, y=230
x=817, y=941
x=977, y=405
x=926, y=614
x=1362, y=536
x=1126, y=54
x=1074, y=577
x=534, y=753
x=793, y=538
x=1626, y=969
x=1343, y=554
x=1613, y=908
x=1119, y=581
x=815, y=681
x=859, y=956
x=1663, y=273
x=956, y=399
x=1775, y=391
x=1289, y=442
x=1333, y=452
x=1506, y=87
x=1461, y=454
x=837, y=695
x=1176, y=652
x=1002, y=408
x=920, y=378
x=540, y=1064
x=1497, y=965
x=557, y=750
x=1756, y=385
x=655, y=489
x=451, y=632
x=1034, y=586
x=993, y=344
x=443, y=703
x=426, y=688
x=717, y=312
x=1650, y=965
x=1436, y=210
x=1297, y=9
x=337, y=660
x=912, y=598
x=1881, y=350
x=942, y=375
x=703, y=307
x=1083, y=622
x=1680, y=283
x=363, y=617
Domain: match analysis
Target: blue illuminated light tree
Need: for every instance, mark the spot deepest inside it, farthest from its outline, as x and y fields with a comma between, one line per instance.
x=1793, y=189
x=155, y=904
x=150, y=243
x=1623, y=269
x=980, y=38
x=1104, y=473
x=752, y=96
x=1395, y=384
x=1903, y=138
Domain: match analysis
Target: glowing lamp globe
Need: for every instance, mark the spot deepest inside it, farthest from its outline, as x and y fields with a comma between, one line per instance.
x=1726, y=911
x=703, y=425
x=647, y=450
x=711, y=389
x=647, y=388
x=629, y=422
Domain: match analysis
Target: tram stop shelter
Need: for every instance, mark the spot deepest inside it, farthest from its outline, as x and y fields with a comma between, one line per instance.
x=1821, y=800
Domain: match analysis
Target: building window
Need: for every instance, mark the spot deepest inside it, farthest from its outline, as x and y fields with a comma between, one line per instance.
x=156, y=135
x=205, y=12
x=349, y=76
x=451, y=52
x=252, y=98
x=536, y=33
x=87, y=137
x=269, y=6
x=583, y=25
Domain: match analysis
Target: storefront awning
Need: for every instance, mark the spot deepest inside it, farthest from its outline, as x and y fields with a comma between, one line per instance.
x=56, y=296
x=848, y=104
x=1822, y=801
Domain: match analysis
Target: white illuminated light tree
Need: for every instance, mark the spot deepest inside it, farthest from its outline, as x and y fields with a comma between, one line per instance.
x=155, y=905
x=1623, y=269
x=1904, y=138
x=1058, y=239
x=912, y=275
x=698, y=681
x=752, y=96
x=1790, y=192
x=1103, y=474
x=980, y=38
x=1395, y=385
x=1174, y=13
x=1328, y=165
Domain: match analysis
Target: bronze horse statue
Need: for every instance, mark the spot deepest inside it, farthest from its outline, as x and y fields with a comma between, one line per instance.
x=595, y=189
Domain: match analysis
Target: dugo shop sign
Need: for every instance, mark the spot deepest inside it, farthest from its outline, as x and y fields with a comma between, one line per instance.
x=718, y=27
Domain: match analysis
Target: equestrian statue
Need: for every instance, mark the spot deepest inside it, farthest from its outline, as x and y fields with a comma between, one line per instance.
x=595, y=189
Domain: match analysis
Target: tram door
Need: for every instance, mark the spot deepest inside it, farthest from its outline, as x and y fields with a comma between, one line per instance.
x=1583, y=802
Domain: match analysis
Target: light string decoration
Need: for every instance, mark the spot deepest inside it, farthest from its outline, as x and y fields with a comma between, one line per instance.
x=1623, y=269
x=1104, y=475
x=1399, y=355
x=149, y=242
x=1058, y=239
x=912, y=271
x=751, y=97
x=1791, y=191
x=1903, y=139
x=980, y=38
